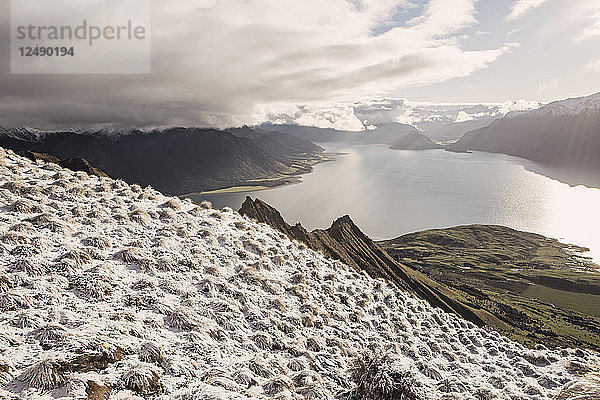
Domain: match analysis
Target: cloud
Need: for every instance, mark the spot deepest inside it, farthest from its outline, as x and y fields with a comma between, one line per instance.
x=518, y=105
x=371, y=113
x=590, y=10
x=592, y=66
x=521, y=7
x=224, y=62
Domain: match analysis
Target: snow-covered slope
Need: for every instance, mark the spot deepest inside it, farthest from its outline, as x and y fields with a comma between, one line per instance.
x=110, y=287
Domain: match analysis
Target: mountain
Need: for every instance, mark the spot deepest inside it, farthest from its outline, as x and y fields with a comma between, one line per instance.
x=415, y=141
x=382, y=134
x=387, y=133
x=449, y=131
x=111, y=290
x=563, y=133
x=311, y=133
x=283, y=146
x=176, y=160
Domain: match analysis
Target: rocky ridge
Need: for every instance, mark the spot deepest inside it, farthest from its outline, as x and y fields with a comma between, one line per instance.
x=112, y=290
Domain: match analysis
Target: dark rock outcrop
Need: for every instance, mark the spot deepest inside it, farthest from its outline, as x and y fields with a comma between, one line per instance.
x=80, y=164
x=344, y=241
x=74, y=164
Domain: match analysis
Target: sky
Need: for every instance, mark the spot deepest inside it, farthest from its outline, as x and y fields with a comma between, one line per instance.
x=224, y=63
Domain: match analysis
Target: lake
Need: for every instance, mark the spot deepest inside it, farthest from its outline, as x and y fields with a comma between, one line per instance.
x=391, y=192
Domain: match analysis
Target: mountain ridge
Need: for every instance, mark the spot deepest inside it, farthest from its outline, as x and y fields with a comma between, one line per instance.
x=563, y=133
x=176, y=160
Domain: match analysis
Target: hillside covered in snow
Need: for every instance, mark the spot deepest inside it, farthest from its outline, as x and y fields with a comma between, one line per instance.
x=109, y=290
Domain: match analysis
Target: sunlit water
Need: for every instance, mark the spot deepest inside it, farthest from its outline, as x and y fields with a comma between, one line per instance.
x=390, y=192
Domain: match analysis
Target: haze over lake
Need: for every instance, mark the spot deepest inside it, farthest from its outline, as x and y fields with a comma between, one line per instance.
x=390, y=192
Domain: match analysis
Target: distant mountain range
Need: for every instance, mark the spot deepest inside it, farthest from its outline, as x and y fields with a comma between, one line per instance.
x=564, y=133
x=382, y=134
x=177, y=160
x=415, y=141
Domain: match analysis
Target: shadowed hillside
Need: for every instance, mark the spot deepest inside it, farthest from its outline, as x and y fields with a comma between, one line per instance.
x=178, y=160
x=564, y=133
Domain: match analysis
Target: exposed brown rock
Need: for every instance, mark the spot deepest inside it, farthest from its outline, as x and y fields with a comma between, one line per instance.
x=344, y=241
x=81, y=164
x=74, y=164
x=94, y=361
x=33, y=156
x=95, y=391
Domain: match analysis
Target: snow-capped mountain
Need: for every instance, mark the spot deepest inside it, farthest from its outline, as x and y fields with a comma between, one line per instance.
x=22, y=133
x=565, y=133
x=34, y=134
x=572, y=106
x=111, y=290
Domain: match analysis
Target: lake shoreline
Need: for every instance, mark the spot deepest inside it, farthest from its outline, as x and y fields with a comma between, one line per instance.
x=393, y=192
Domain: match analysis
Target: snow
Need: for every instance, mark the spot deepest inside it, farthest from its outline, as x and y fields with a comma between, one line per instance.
x=181, y=301
x=574, y=106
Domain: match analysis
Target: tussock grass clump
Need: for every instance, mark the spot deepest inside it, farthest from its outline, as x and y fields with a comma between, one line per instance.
x=13, y=301
x=314, y=392
x=260, y=368
x=263, y=341
x=46, y=375
x=375, y=377
x=167, y=215
x=15, y=187
x=24, y=227
x=182, y=319
x=98, y=242
x=244, y=377
x=25, y=251
x=196, y=211
x=50, y=336
x=13, y=238
x=297, y=365
x=5, y=284
x=6, y=372
x=30, y=266
x=130, y=255
x=78, y=257
x=22, y=206
x=140, y=216
x=143, y=379
x=120, y=216
x=150, y=352
x=306, y=377
x=172, y=204
x=25, y=320
x=90, y=286
x=429, y=371
x=41, y=219
x=277, y=385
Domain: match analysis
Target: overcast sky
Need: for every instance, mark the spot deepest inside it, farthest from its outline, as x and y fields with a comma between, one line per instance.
x=228, y=62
